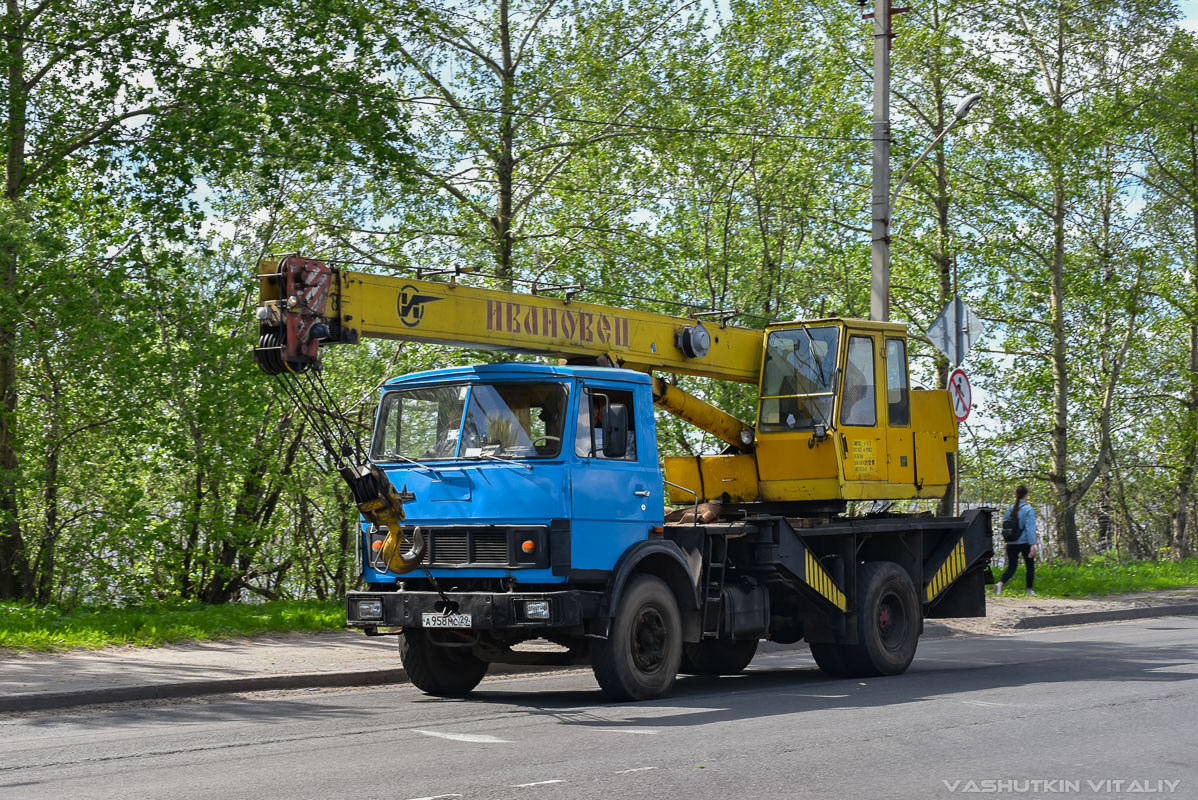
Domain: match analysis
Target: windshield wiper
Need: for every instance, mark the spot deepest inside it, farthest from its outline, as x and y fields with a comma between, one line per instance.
x=494, y=457
x=413, y=461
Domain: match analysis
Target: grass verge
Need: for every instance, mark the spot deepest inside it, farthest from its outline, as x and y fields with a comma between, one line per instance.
x=1099, y=577
x=26, y=627
x=47, y=628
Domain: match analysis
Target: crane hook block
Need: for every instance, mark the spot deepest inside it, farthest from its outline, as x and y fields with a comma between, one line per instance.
x=381, y=505
x=292, y=319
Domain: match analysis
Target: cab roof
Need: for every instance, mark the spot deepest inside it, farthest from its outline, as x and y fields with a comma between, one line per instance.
x=516, y=370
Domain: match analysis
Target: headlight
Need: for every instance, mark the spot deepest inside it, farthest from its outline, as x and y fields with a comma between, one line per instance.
x=370, y=609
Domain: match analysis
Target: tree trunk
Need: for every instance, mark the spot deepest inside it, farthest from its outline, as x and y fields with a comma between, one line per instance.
x=347, y=529
x=1059, y=476
x=44, y=577
x=14, y=566
x=1184, y=488
x=1106, y=520
x=501, y=223
x=15, y=577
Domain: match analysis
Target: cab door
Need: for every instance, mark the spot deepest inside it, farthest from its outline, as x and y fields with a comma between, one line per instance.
x=615, y=498
x=861, y=439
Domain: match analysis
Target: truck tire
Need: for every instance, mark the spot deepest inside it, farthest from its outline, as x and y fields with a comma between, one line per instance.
x=830, y=658
x=888, y=615
x=639, y=658
x=717, y=656
x=438, y=670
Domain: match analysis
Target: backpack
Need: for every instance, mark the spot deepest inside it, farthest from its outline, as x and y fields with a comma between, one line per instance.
x=1012, y=531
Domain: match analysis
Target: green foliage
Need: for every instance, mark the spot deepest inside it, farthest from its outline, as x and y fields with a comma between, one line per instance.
x=715, y=156
x=1100, y=576
x=52, y=627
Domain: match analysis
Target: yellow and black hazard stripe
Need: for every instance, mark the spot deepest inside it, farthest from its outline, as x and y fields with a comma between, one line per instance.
x=819, y=580
x=953, y=566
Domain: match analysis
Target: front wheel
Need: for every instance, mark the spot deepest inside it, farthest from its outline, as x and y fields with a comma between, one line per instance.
x=639, y=658
x=438, y=670
x=717, y=656
x=888, y=617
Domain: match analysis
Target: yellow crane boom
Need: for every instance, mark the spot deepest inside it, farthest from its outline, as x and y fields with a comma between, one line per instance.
x=836, y=417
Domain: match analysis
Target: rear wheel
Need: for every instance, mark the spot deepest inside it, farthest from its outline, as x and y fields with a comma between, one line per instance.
x=888, y=616
x=717, y=656
x=439, y=670
x=639, y=658
x=831, y=658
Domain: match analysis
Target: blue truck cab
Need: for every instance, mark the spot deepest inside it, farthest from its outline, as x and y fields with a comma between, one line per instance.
x=537, y=494
x=505, y=470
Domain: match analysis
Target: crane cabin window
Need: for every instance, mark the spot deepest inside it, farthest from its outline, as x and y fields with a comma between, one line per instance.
x=860, y=399
x=798, y=377
x=898, y=398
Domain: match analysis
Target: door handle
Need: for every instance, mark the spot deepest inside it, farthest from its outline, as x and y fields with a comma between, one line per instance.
x=642, y=493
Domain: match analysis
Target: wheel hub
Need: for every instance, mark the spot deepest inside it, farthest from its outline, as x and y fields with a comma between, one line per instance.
x=649, y=640
x=885, y=618
x=892, y=621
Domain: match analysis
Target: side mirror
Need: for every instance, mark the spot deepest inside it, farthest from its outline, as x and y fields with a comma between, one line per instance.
x=615, y=430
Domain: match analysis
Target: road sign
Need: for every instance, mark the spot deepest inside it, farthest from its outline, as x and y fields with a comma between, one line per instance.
x=957, y=328
x=961, y=394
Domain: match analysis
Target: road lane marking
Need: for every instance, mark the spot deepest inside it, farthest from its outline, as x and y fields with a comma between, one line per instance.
x=477, y=738
x=642, y=731
x=987, y=704
x=535, y=783
x=437, y=797
x=637, y=769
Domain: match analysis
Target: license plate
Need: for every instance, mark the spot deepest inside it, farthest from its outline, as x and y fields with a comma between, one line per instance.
x=433, y=620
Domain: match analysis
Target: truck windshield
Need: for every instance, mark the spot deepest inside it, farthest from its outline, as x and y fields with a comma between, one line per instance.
x=514, y=420
x=506, y=420
x=419, y=424
x=797, y=378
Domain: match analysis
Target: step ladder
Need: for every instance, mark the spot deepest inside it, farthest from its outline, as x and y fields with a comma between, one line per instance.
x=715, y=557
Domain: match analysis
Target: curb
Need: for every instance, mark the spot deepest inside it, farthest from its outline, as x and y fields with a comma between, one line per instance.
x=47, y=701
x=1110, y=615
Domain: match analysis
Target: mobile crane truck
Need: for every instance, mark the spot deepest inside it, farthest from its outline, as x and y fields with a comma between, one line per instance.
x=515, y=501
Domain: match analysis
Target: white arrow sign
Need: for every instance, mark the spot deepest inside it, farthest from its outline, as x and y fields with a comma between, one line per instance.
x=957, y=328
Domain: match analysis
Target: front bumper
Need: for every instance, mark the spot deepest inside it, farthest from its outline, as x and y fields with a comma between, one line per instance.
x=487, y=610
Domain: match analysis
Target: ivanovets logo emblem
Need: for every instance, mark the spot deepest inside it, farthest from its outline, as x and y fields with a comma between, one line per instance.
x=410, y=305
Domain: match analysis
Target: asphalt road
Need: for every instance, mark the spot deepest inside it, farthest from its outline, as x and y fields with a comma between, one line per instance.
x=1064, y=713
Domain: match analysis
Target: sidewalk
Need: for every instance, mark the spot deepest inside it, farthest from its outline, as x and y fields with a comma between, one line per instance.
x=1014, y=611
x=42, y=681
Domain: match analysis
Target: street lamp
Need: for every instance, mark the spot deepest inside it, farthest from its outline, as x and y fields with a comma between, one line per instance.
x=963, y=108
x=879, y=304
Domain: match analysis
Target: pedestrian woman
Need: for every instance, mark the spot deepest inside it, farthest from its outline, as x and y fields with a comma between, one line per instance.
x=1025, y=546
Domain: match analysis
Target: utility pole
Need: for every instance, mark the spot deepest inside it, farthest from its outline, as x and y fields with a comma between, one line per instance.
x=879, y=284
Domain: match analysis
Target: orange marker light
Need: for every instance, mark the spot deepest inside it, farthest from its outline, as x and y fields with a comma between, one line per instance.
x=528, y=546
x=376, y=545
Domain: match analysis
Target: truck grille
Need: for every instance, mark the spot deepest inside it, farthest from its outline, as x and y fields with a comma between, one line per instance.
x=472, y=546
x=458, y=546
